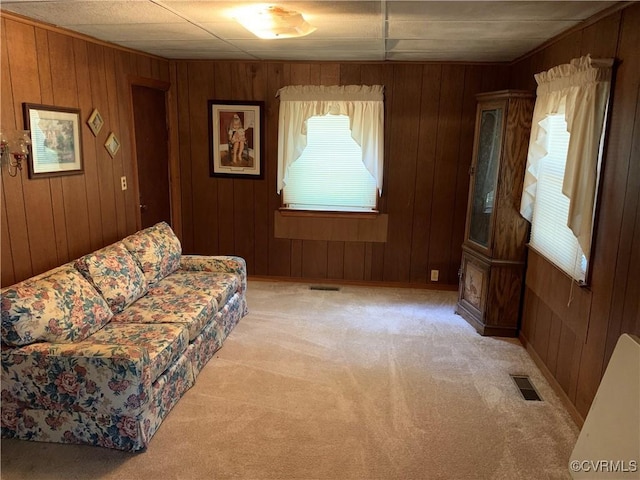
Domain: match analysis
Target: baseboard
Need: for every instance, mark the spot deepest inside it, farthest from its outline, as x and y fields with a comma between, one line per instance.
x=566, y=401
x=358, y=283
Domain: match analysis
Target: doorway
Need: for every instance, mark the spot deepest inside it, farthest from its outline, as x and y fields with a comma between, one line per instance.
x=152, y=153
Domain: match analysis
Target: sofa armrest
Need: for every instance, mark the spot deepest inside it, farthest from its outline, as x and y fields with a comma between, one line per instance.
x=220, y=263
x=81, y=377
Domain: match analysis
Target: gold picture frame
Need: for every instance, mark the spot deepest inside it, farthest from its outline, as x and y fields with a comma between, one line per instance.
x=112, y=144
x=95, y=122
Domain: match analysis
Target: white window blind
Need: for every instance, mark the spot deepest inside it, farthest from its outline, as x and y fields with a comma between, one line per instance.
x=330, y=175
x=550, y=234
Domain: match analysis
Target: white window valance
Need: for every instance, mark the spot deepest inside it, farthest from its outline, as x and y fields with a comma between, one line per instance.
x=580, y=90
x=364, y=106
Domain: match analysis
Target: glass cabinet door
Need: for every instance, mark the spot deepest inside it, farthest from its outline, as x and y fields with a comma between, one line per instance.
x=485, y=169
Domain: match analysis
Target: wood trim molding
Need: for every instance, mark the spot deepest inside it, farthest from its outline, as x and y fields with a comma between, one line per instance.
x=148, y=82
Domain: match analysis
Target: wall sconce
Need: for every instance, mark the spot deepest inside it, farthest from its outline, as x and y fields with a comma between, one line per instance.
x=14, y=148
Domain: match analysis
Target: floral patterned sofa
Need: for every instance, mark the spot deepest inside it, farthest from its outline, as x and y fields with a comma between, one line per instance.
x=100, y=349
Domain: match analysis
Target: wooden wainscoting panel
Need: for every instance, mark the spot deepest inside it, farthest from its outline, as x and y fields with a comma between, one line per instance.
x=570, y=350
x=355, y=260
x=542, y=330
x=222, y=79
x=424, y=177
x=131, y=216
x=116, y=126
x=403, y=136
x=90, y=146
x=597, y=315
x=446, y=171
x=314, y=258
x=625, y=305
x=327, y=227
x=554, y=342
x=103, y=165
x=205, y=198
x=23, y=60
x=12, y=194
x=335, y=259
x=609, y=262
x=600, y=40
x=7, y=275
x=184, y=153
x=49, y=221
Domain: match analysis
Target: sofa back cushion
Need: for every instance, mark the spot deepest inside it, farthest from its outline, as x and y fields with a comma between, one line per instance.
x=157, y=250
x=60, y=307
x=115, y=275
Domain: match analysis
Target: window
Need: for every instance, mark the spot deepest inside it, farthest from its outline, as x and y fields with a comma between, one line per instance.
x=330, y=175
x=330, y=147
x=563, y=163
x=550, y=234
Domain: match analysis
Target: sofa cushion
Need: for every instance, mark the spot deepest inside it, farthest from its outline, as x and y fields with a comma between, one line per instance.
x=115, y=275
x=61, y=307
x=156, y=249
x=191, y=309
x=163, y=342
x=216, y=285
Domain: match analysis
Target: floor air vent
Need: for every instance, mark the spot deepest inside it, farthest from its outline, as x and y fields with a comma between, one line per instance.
x=326, y=288
x=526, y=388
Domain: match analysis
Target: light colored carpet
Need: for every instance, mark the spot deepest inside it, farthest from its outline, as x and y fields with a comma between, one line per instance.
x=363, y=383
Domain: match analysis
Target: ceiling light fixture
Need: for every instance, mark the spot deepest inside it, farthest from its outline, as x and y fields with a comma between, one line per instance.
x=271, y=22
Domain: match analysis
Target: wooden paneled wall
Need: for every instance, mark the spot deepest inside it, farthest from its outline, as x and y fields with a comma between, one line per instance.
x=429, y=125
x=575, y=342
x=47, y=222
x=428, y=139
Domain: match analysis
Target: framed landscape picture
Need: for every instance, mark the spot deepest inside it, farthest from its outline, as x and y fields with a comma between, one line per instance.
x=56, y=143
x=235, y=138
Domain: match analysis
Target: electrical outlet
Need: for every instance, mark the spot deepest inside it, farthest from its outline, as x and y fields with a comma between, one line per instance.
x=435, y=274
x=123, y=183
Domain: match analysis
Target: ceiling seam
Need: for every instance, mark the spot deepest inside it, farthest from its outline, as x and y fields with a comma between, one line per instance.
x=201, y=27
x=383, y=16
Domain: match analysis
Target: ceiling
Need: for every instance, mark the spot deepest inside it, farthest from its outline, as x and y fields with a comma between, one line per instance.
x=395, y=30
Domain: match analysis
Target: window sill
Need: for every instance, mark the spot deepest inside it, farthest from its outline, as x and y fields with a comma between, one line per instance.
x=331, y=226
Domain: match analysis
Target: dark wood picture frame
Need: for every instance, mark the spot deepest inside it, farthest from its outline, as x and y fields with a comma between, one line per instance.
x=236, y=140
x=56, y=140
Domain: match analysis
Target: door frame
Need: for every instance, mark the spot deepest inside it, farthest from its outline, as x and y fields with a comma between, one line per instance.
x=175, y=209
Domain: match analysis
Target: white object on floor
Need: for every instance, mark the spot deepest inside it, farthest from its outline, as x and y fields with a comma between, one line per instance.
x=609, y=444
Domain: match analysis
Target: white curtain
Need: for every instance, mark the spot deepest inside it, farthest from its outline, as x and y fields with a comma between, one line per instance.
x=580, y=90
x=364, y=106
